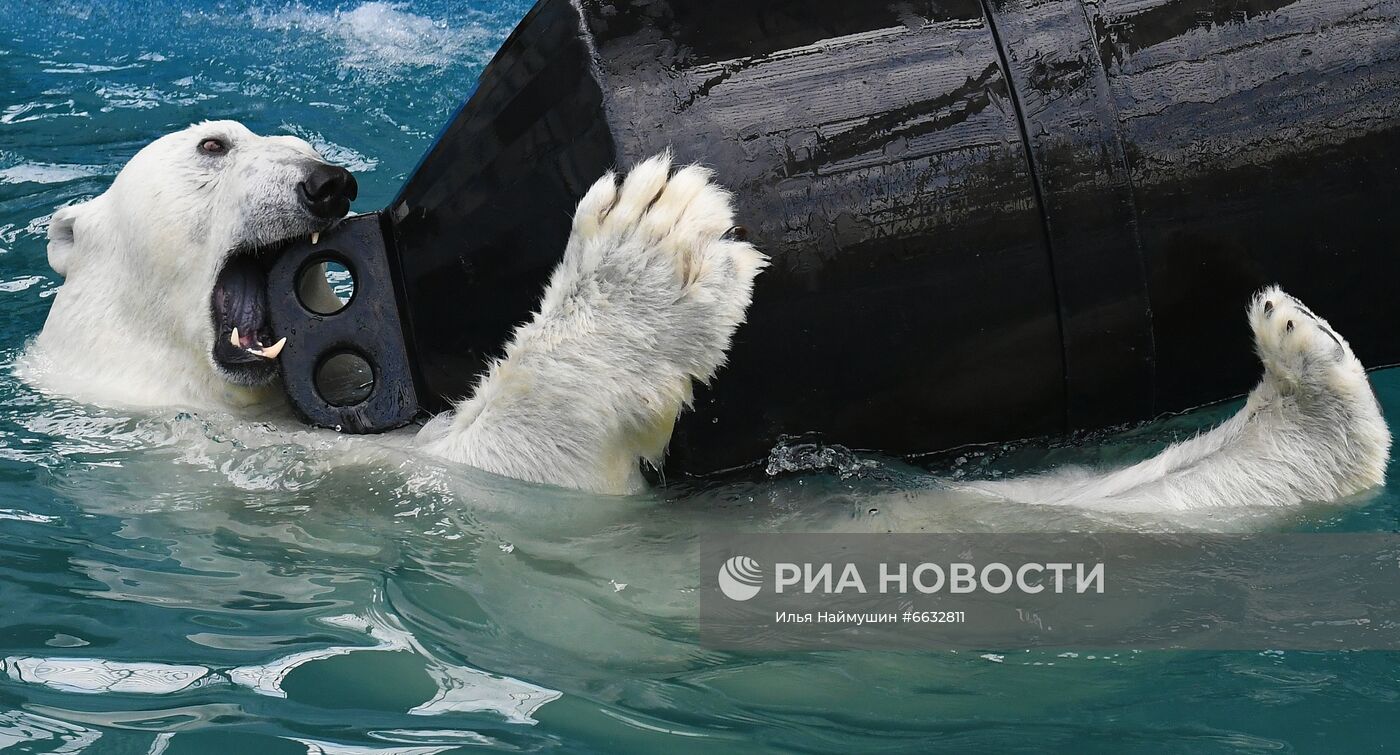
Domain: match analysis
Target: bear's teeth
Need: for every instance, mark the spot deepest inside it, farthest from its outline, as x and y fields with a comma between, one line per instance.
x=268, y=352
x=315, y=236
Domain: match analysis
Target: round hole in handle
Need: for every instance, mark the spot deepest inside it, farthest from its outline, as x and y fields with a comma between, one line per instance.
x=344, y=378
x=325, y=284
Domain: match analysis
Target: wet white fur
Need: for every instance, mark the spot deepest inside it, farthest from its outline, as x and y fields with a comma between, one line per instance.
x=644, y=302
x=1310, y=431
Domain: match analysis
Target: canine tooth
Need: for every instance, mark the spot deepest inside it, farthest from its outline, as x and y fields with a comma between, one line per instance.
x=233, y=339
x=315, y=236
x=272, y=351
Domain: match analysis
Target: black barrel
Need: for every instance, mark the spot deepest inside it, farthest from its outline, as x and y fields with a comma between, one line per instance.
x=988, y=220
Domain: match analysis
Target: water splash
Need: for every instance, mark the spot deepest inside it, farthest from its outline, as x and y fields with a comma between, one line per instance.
x=380, y=37
x=793, y=455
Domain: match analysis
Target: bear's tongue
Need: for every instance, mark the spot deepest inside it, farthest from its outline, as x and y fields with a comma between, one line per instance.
x=240, y=312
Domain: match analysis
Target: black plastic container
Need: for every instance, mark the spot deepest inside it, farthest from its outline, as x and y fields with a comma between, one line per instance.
x=988, y=220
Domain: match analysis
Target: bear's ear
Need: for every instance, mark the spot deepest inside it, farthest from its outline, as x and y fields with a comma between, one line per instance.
x=62, y=236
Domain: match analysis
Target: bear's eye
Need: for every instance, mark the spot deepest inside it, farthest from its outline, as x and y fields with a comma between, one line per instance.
x=213, y=147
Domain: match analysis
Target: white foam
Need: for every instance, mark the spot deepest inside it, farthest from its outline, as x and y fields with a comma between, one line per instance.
x=134, y=97
x=61, y=67
x=338, y=154
x=381, y=36
x=46, y=173
x=36, y=111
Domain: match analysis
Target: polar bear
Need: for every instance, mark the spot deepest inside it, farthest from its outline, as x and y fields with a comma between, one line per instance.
x=163, y=305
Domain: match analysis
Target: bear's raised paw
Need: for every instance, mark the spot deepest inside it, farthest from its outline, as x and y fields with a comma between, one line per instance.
x=657, y=257
x=653, y=283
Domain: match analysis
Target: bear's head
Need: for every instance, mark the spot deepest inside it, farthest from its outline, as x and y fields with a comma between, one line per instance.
x=164, y=297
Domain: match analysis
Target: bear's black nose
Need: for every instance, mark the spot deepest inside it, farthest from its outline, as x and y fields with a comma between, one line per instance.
x=328, y=190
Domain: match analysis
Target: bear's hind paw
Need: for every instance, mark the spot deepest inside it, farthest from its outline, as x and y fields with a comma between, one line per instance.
x=1298, y=348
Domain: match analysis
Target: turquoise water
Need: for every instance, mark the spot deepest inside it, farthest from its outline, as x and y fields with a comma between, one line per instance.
x=188, y=584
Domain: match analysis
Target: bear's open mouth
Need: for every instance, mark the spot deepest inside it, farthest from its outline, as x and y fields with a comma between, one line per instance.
x=245, y=347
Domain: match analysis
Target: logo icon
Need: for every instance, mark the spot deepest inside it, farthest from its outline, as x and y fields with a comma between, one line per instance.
x=740, y=578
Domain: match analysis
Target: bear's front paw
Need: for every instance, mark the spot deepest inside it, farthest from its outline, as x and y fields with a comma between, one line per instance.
x=657, y=267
